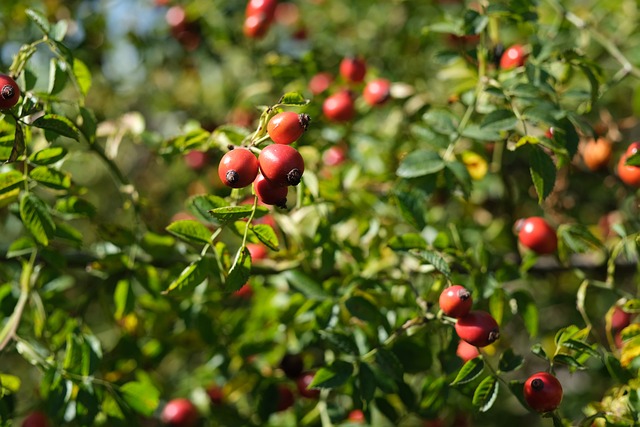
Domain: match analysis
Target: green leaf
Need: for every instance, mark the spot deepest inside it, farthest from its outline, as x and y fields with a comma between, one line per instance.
x=441, y=121
x=190, y=231
x=51, y=177
x=292, y=98
x=509, y=361
x=36, y=218
x=343, y=342
x=68, y=232
x=332, y=376
x=499, y=120
x=18, y=144
x=9, y=384
x=201, y=204
x=232, y=213
x=240, y=270
x=141, y=397
x=305, y=284
x=539, y=351
x=10, y=180
x=469, y=371
x=367, y=381
x=191, y=276
x=576, y=238
x=478, y=133
x=88, y=125
x=48, y=156
x=83, y=75
x=407, y=241
x=543, y=173
x=389, y=363
x=59, y=30
x=486, y=393
x=570, y=361
x=566, y=333
x=412, y=202
x=435, y=259
x=363, y=309
x=631, y=306
x=420, y=163
x=75, y=206
x=123, y=299
x=58, y=124
x=266, y=235
x=528, y=309
x=633, y=160
x=496, y=304
x=581, y=347
x=57, y=77
x=40, y=20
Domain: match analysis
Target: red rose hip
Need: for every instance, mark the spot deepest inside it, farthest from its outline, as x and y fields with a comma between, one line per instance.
x=629, y=174
x=259, y=7
x=536, y=234
x=281, y=164
x=353, y=69
x=9, y=92
x=543, y=392
x=339, y=107
x=36, y=419
x=269, y=193
x=285, y=398
x=513, y=57
x=238, y=168
x=478, y=328
x=377, y=92
x=257, y=251
x=466, y=351
x=180, y=413
x=455, y=301
x=256, y=26
x=303, y=382
x=287, y=127
x=320, y=82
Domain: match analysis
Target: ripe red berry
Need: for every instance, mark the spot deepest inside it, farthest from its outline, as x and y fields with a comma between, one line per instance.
x=543, y=392
x=196, y=159
x=36, y=419
x=456, y=301
x=285, y=398
x=257, y=251
x=303, y=382
x=353, y=69
x=245, y=292
x=356, y=416
x=320, y=82
x=536, y=234
x=238, y=168
x=513, y=57
x=261, y=7
x=335, y=155
x=9, y=92
x=179, y=413
x=377, y=92
x=287, y=127
x=215, y=394
x=466, y=351
x=270, y=194
x=630, y=175
x=339, y=107
x=478, y=328
x=281, y=164
x=256, y=26
x=620, y=319
x=549, y=133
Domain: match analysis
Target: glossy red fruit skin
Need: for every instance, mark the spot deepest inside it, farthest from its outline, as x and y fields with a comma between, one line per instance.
x=256, y=26
x=303, y=382
x=238, y=168
x=257, y=251
x=245, y=292
x=466, y=351
x=628, y=174
x=543, y=392
x=287, y=127
x=281, y=164
x=36, y=419
x=377, y=92
x=9, y=92
x=513, y=57
x=180, y=413
x=620, y=319
x=356, y=416
x=353, y=70
x=270, y=194
x=455, y=301
x=285, y=398
x=632, y=148
x=257, y=7
x=320, y=83
x=478, y=328
x=339, y=107
x=536, y=234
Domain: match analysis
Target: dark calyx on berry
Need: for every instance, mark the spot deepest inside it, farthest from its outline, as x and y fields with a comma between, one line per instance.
x=294, y=176
x=7, y=92
x=304, y=120
x=232, y=176
x=464, y=294
x=537, y=384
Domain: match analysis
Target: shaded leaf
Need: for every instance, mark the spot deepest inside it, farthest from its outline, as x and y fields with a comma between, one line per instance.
x=51, y=177
x=469, y=371
x=499, y=120
x=332, y=376
x=407, y=241
x=141, y=397
x=194, y=274
x=292, y=98
x=509, y=361
x=305, y=284
x=232, y=213
x=543, y=173
x=266, y=235
x=58, y=124
x=190, y=231
x=36, y=218
x=435, y=259
x=486, y=393
x=48, y=156
x=420, y=163
x=240, y=270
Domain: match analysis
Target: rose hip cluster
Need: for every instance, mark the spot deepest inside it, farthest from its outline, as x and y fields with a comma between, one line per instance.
x=477, y=328
x=276, y=168
x=259, y=15
x=340, y=106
